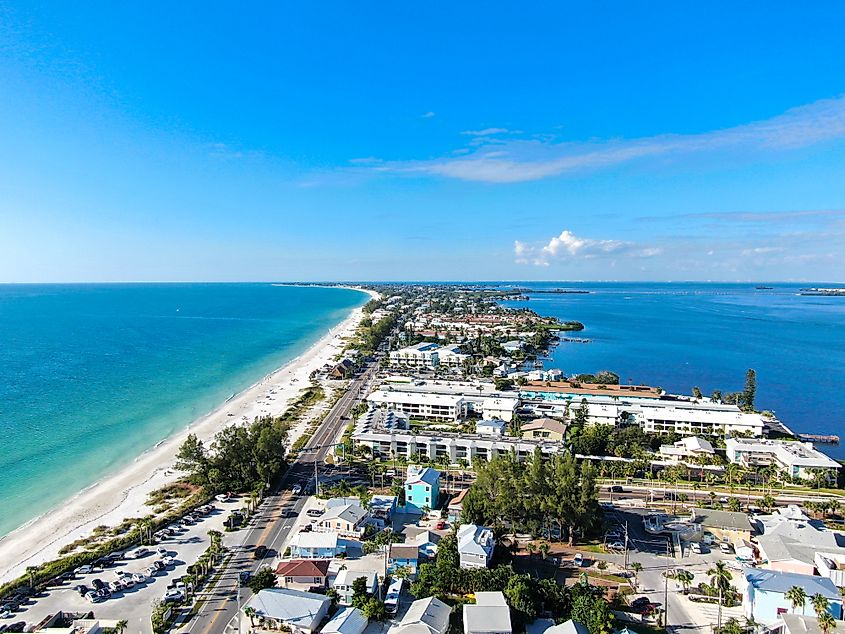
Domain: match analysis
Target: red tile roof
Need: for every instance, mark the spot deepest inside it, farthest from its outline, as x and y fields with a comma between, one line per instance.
x=303, y=568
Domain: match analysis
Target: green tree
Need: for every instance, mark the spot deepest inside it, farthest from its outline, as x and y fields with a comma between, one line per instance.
x=520, y=595
x=636, y=567
x=696, y=393
x=360, y=596
x=263, y=578
x=374, y=609
x=720, y=578
x=250, y=613
x=750, y=391
x=820, y=604
x=827, y=623
x=797, y=597
x=731, y=626
x=685, y=578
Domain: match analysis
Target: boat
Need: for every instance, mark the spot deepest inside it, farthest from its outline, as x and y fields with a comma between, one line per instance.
x=764, y=288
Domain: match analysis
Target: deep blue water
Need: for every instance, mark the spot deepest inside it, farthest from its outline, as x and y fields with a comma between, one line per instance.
x=93, y=375
x=680, y=335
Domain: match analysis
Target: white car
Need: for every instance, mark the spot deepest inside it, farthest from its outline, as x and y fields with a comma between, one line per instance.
x=173, y=595
x=163, y=551
x=151, y=571
x=84, y=570
x=695, y=547
x=137, y=577
x=168, y=561
x=222, y=497
x=5, y=614
x=579, y=560
x=296, y=489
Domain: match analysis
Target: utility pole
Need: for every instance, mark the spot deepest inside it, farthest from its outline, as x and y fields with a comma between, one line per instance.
x=626, y=544
x=666, y=591
x=719, y=618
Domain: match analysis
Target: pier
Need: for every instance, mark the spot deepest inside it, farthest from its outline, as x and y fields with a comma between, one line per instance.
x=829, y=439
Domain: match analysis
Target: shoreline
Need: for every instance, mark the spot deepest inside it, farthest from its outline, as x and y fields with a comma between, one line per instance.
x=123, y=493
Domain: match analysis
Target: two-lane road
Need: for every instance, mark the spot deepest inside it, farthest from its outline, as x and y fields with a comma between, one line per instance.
x=274, y=519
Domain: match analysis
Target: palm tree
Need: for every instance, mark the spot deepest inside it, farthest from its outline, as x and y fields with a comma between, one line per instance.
x=636, y=567
x=685, y=578
x=767, y=502
x=250, y=612
x=30, y=572
x=720, y=577
x=797, y=597
x=731, y=626
x=121, y=625
x=544, y=549
x=530, y=548
x=820, y=604
x=827, y=622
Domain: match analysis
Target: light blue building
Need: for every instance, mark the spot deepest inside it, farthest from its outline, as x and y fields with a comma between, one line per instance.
x=765, y=599
x=403, y=556
x=314, y=545
x=422, y=488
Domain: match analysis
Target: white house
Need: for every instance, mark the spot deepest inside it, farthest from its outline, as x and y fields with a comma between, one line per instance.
x=475, y=546
x=425, y=616
x=499, y=407
x=345, y=578
x=299, y=611
x=688, y=448
x=347, y=520
x=347, y=620
x=494, y=427
x=451, y=356
x=489, y=615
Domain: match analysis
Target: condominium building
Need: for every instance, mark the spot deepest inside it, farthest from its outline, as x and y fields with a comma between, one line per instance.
x=422, y=405
x=420, y=355
x=795, y=459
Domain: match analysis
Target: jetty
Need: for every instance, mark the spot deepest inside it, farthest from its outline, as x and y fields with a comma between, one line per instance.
x=829, y=439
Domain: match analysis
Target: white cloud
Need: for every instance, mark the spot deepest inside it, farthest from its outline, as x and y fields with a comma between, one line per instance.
x=486, y=132
x=569, y=246
x=527, y=159
x=429, y=115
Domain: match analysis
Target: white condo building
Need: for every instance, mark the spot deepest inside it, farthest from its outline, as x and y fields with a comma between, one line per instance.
x=796, y=459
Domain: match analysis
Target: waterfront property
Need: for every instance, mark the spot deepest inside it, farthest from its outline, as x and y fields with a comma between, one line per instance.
x=489, y=615
x=794, y=459
x=689, y=448
x=764, y=596
x=292, y=609
x=792, y=542
x=302, y=574
x=422, y=488
x=421, y=355
x=475, y=546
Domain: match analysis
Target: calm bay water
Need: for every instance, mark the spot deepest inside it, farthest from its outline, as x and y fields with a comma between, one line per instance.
x=93, y=375
x=680, y=335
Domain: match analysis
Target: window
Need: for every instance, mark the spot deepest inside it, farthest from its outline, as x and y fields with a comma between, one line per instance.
x=318, y=580
x=288, y=579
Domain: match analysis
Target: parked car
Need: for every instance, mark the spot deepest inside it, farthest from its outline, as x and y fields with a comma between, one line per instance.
x=137, y=553
x=313, y=512
x=616, y=546
x=222, y=497
x=259, y=552
x=162, y=551
x=98, y=584
x=726, y=548
x=296, y=489
x=640, y=602
x=244, y=577
x=137, y=577
x=615, y=488
x=307, y=528
x=441, y=525
x=173, y=596
x=6, y=614
x=84, y=570
x=82, y=590
x=695, y=547
x=578, y=560
x=93, y=597
x=168, y=561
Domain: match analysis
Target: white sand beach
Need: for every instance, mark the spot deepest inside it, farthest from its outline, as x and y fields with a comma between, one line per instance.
x=123, y=494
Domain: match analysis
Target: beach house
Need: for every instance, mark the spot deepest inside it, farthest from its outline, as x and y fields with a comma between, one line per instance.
x=346, y=620
x=403, y=556
x=489, y=615
x=425, y=616
x=302, y=574
x=544, y=429
x=422, y=488
x=475, y=546
x=764, y=596
x=313, y=545
x=291, y=609
x=347, y=520
x=342, y=583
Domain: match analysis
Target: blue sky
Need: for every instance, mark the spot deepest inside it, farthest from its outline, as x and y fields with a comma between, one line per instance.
x=571, y=141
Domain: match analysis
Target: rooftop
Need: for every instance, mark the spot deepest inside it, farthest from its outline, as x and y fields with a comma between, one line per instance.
x=303, y=568
x=780, y=582
x=299, y=609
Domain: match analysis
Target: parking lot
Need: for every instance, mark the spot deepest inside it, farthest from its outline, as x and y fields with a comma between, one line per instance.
x=133, y=603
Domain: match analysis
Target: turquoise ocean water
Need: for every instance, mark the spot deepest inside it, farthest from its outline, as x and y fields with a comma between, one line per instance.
x=93, y=375
x=680, y=335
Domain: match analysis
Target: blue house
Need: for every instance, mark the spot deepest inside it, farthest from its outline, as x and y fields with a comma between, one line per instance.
x=403, y=556
x=314, y=545
x=765, y=599
x=422, y=488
